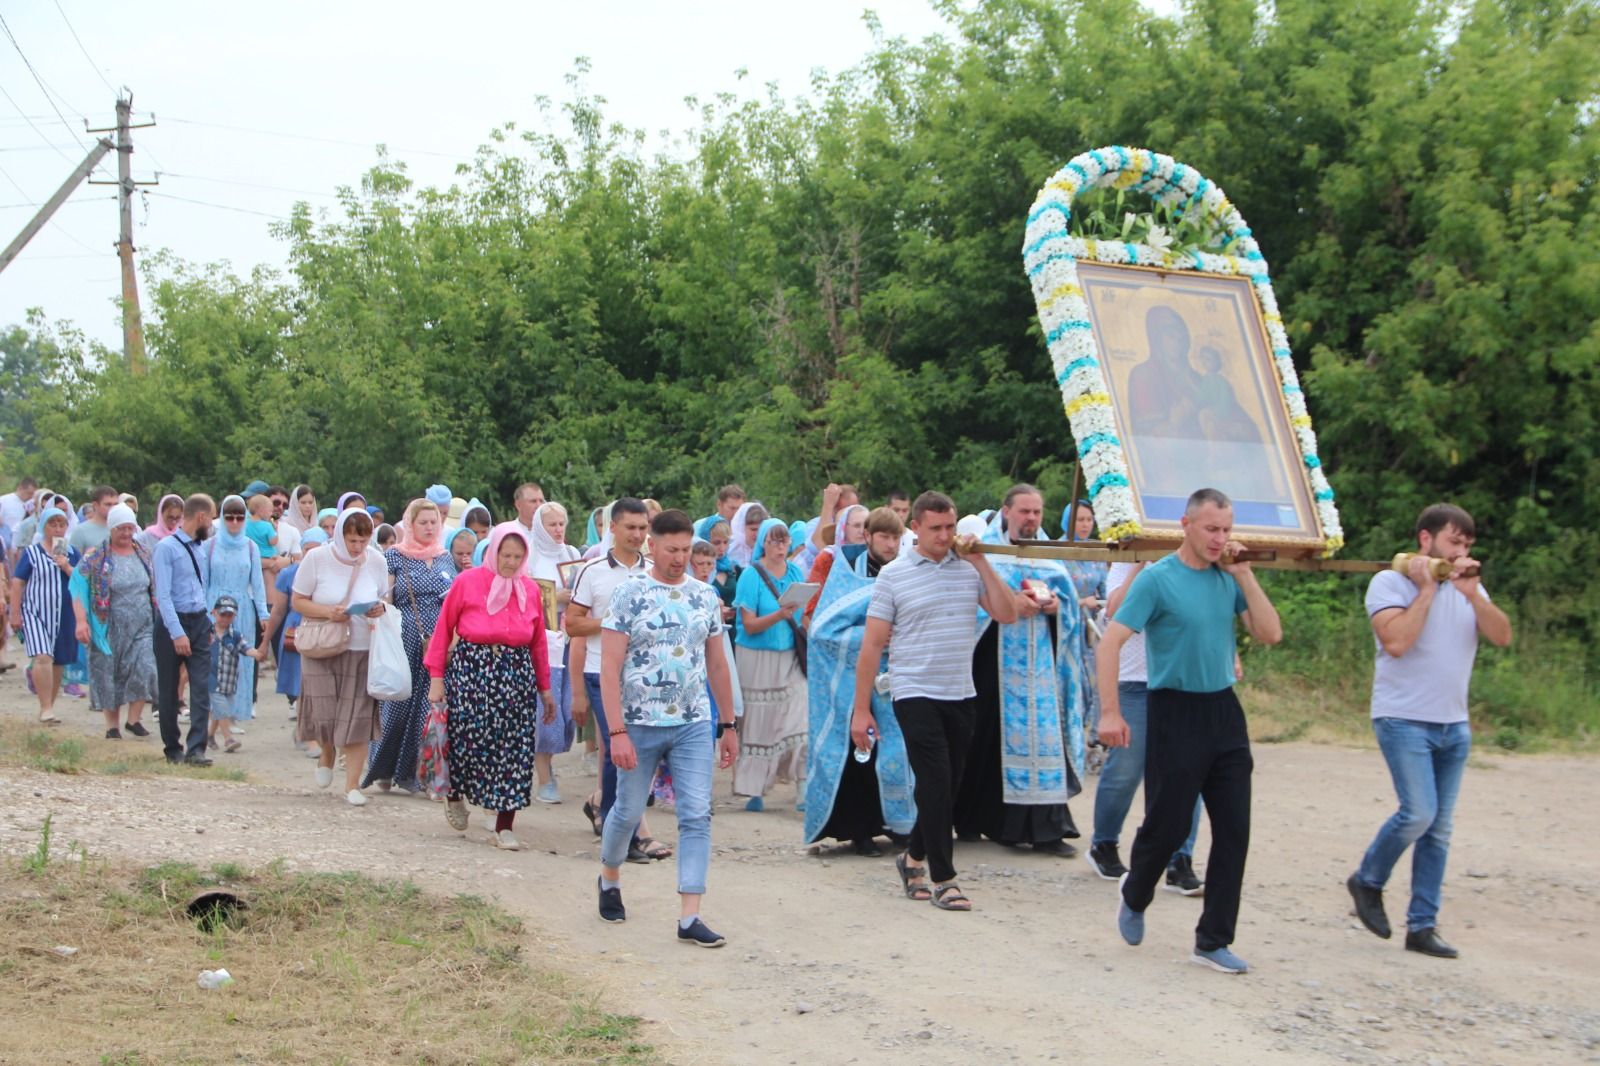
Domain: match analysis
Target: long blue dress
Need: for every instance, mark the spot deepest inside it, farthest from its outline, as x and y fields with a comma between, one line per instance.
x=1089, y=578
x=419, y=590
x=236, y=571
x=288, y=661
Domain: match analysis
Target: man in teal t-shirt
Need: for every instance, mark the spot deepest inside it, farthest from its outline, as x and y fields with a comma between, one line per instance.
x=1197, y=745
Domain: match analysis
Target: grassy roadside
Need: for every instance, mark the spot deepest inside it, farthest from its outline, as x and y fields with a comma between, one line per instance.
x=328, y=968
x=61, y=750
x=1540, y=695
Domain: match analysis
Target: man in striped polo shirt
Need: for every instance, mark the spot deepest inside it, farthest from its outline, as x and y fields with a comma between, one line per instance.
x=926, y=600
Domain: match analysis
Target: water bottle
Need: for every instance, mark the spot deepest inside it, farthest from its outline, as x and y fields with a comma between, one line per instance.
x=863, y=754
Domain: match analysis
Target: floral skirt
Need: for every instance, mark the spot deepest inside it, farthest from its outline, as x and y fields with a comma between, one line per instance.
x=492, y=699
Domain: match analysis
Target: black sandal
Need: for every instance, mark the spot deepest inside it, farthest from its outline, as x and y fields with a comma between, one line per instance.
x=594, y=818
x=654, y=848
x=948, y=895
x=920, y=893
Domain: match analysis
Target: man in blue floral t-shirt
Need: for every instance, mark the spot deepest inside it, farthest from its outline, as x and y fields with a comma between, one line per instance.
x=658, y=649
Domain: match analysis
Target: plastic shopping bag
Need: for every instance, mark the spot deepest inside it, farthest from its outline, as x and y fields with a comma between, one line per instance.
x=388, y=669
x=433, y=766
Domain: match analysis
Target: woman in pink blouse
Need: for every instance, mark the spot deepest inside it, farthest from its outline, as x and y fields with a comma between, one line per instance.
x=488, y=686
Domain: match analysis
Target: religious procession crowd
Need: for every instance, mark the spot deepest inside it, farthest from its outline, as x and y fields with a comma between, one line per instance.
x=913, y=688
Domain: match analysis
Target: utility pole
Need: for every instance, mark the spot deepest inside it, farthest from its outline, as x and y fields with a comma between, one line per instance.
x=48, y=208
x=132, y=322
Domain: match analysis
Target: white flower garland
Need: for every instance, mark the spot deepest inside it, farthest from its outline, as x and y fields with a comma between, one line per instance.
x=1051, y=256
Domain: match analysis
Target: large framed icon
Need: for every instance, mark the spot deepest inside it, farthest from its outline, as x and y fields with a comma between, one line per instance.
x=1197, y=400
x=1174, y=364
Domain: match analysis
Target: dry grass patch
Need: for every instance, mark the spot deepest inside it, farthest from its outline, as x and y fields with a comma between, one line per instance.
x=1280, y=710
x=59, y=750
x=328, y=968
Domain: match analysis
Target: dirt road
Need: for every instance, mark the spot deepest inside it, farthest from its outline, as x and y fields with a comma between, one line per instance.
x=827, y=963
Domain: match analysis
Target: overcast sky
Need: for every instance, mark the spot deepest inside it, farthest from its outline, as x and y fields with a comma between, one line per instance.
x=427, y=79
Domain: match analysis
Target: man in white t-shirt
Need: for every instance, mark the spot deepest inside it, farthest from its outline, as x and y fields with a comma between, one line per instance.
x=1124, y=766
x=17, y=505
x=528, y=498
x=1427, y=633
x=591, y=595
x=900, y=503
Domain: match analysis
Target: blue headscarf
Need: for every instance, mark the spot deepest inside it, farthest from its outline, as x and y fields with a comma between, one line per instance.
x=439, y=496
x=725, y=564
x=233, y=542
x=44, y=517
x=314, y=535
x=450, y=544
x=477, y=553
x=767, y=526
x=1067, y=532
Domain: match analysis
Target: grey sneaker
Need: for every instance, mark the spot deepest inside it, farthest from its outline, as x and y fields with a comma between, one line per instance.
x=455, y=812
x=1221, y=960
x=1130, y=923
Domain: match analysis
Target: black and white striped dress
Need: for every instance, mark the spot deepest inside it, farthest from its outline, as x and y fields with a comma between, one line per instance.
x=48, y=623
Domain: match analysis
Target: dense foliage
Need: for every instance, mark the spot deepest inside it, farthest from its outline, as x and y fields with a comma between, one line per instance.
x=832, y=287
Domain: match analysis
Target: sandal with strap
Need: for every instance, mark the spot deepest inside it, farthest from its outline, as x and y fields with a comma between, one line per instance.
x=654, y=848
x=920, y=893
x=949, y=897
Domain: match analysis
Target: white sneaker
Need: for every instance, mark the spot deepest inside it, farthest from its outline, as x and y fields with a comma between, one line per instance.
x=324, y=776
x=506, y=841
x=356, y=798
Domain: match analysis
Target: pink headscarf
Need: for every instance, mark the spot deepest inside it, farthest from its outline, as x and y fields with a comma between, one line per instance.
x=501, y=588
x=413, y=547
x=156, y=529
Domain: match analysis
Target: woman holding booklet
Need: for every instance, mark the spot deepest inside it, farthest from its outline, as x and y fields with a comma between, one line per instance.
x=771, y=671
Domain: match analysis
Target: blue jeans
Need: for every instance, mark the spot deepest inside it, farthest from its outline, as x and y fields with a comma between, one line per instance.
x=608, y=772
x=1426, y=761
x=688, y=748
x=1124, y=769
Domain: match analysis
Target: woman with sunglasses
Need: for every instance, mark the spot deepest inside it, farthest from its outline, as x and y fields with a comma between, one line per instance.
x=235, y=572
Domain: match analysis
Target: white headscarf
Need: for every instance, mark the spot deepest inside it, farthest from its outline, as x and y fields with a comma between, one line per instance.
x=546, y=552
x=336, y=542
x=738, y=550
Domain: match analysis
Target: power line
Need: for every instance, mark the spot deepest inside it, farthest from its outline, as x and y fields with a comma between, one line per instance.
x=221, y=207
x=40, y=81
x=69, y=203
x=84, y=50
x=308, y=137
x=36, y=129
x=56, y=225
x=246, y=184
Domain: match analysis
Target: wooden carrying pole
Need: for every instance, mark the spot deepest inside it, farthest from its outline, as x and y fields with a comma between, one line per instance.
x=1266, y=560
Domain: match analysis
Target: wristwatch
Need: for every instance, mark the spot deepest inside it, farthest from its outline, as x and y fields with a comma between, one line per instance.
x=722, y=726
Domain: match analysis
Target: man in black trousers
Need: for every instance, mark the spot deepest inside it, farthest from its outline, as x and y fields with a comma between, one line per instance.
x=1197, y=744
x=183, y=630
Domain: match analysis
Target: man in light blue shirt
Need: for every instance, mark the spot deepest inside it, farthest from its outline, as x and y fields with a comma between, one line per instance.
x=184, y=636
x=1427, y=633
